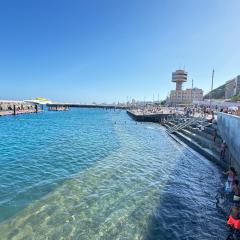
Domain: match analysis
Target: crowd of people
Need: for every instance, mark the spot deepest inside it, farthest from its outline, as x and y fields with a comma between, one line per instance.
x=211, y=110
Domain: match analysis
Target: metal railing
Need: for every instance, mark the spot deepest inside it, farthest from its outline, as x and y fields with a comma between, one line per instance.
x=185, y=124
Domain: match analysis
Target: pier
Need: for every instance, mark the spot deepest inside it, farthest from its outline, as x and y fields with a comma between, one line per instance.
x=142, y=116
x=8, y=107
x=80, y=105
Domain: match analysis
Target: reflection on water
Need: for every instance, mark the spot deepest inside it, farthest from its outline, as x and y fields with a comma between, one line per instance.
x=146, y=187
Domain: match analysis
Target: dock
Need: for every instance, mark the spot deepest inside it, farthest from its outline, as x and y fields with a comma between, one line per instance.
x=142, y=116
x=8, y=113
x=79, y=105
x=8, y=107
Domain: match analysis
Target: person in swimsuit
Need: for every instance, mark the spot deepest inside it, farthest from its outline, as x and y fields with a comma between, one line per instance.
x=236, y=191
x=234, y=217
x=232, y=174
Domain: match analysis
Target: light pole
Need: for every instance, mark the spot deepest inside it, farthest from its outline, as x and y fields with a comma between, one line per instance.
x=211, y=89
x=192, y=91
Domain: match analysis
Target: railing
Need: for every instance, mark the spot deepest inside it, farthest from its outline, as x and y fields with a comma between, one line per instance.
x=184, y=124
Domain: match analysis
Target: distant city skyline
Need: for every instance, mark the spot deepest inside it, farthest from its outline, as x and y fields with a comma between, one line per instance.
x=108, y=51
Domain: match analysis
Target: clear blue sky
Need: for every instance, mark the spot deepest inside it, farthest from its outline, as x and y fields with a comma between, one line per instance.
x=106, y=50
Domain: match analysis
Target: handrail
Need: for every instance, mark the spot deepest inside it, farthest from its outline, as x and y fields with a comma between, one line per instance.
x=176, y=126
x=182, y=125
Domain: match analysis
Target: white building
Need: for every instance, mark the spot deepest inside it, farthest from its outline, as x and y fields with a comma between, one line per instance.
x=186, y=96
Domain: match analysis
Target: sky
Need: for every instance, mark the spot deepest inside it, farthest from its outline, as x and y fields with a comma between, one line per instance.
x=114, y=50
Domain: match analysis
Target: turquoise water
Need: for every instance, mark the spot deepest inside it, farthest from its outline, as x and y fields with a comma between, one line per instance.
x=96, y=174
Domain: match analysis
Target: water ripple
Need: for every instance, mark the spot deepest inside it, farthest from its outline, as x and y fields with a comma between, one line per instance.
x=117, y=181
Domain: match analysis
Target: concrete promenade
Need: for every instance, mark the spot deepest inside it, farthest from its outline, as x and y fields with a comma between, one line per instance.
x=151, y=116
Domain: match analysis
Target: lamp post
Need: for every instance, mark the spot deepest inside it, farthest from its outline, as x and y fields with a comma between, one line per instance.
x=211, y=89
x=192, y=92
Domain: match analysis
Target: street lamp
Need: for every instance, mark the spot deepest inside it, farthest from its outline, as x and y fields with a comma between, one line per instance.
x=211, y=89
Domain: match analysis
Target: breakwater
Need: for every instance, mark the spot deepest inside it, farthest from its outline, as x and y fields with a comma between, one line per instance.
x=150, y=117
x=79, y=105
x=17, y=107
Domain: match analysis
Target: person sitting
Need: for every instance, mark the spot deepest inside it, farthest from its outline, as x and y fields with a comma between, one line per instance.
x=212, y=117
x=236, y=191
x=234, y=217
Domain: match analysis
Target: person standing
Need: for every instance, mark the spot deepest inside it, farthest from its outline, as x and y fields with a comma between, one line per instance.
x=236, y=191
x=214, y=135
x=232, y=174
x=223, y=150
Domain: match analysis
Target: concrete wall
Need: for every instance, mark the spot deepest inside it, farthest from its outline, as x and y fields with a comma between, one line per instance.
x=5, y=105
x=149, y=117
x=229, y=129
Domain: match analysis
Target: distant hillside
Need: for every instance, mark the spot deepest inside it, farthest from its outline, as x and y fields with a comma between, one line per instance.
x=217, y=93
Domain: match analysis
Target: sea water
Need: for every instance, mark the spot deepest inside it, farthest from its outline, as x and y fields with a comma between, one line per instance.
x=97, y=174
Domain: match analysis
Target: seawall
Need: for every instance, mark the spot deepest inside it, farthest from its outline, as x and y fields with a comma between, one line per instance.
x=229, y=129
x=157, y=117
x=17, y=107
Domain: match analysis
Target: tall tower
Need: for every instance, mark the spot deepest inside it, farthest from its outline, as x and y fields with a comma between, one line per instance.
x=179, y=77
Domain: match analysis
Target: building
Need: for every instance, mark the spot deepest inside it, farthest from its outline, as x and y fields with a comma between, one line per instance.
x=180, y=96
x=186, y=96
x=232, y=87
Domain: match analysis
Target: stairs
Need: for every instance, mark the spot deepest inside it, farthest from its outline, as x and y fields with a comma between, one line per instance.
x=200, y=140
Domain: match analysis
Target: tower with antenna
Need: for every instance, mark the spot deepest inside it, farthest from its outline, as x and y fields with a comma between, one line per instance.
x=180, y=95
x=179, y=77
